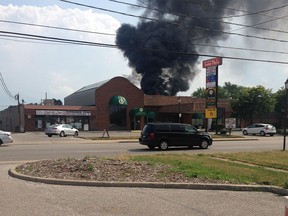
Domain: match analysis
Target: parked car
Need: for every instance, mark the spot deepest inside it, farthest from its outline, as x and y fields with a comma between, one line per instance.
x=260, y=128
x=61, y=130
x=164, y=135
x=5, y=137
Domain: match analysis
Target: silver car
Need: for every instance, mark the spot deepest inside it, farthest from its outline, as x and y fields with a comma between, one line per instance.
x=5, y=137
x=259, y=128
x=61, y=130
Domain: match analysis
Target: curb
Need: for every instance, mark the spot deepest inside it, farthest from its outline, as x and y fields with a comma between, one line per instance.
x=166, y=185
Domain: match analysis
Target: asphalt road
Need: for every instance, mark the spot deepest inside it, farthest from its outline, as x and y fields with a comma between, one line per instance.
x=20, y=197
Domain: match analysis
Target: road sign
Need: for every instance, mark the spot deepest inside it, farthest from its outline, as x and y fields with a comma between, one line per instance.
x=230, y=123
x=210, y=113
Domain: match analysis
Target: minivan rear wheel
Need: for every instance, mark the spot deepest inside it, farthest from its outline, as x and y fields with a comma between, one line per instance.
x=204, y=144
x=163, y=145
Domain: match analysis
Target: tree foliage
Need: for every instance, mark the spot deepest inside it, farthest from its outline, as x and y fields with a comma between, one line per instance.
x=280, y=97
x=254, y=102
x=227, y=91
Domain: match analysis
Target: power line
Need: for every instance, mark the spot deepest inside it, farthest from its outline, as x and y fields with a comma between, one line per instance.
x=259, y=13
x=56, y=27
x=173, y=23
x=255, y=13
x=110, y=34
x=76, y=42
x=209, y=19
x=4, y=87
x=62, y=40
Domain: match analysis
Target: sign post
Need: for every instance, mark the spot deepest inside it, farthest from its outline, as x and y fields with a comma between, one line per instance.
x=211, y=66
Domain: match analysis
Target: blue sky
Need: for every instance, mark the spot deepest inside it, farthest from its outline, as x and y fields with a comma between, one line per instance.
x=33, y=69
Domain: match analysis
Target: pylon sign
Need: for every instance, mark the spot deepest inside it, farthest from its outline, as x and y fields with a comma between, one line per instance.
x=211, y=66
x=212, y=62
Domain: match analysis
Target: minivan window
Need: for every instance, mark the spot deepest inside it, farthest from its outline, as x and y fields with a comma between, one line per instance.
x=177, y=128
x=190, y=129
x=162, y=128
x=148, y=128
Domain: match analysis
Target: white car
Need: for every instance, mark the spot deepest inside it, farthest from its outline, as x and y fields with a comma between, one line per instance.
x=61, y=130
x=259, y=128
x=5, y=137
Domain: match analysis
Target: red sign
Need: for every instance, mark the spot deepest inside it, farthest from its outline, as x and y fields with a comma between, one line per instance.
x=212, y=62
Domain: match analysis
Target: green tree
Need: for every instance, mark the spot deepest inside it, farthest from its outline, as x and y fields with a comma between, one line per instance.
x=228, y=91
x=232, y=91
x=253, y=102
x=199, y=93
x=280, y=97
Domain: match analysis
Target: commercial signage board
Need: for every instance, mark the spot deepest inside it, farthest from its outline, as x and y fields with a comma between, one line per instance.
x=230, y=123
x=63, y=113
x=212, y=62
x=211, y=113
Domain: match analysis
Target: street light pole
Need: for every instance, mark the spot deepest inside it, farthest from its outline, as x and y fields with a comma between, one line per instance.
x=285, y=117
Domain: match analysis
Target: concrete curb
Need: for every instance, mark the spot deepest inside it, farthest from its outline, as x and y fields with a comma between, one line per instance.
x=168, y=185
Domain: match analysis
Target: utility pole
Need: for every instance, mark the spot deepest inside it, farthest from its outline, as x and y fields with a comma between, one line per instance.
x=19, y=111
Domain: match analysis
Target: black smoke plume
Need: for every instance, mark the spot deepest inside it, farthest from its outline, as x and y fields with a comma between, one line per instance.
x=164, y=49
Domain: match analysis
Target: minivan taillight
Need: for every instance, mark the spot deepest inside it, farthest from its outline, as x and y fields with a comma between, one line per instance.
x=151, y=136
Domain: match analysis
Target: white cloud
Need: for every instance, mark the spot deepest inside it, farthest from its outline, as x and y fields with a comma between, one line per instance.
x=33, y=68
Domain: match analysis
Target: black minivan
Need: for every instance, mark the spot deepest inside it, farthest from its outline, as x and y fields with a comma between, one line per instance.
x=163, y=135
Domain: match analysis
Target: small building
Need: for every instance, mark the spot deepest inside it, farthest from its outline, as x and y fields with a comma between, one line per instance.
x=115, y=104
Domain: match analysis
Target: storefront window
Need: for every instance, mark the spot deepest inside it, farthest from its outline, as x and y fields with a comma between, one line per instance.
x=118, y=113
x=118, y=116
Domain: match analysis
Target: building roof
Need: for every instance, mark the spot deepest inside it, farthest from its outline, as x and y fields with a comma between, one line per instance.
x=92, y=86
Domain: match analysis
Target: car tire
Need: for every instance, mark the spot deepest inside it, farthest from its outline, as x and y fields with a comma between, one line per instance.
x=204, y=144
x=62, y=134
x=76, y=134
x=245, y=132
x=1, y=142
x=262, y=133
x=49, y=135
x=163, y=145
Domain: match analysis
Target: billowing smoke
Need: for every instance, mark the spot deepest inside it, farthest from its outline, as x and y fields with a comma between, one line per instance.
x=163, y=50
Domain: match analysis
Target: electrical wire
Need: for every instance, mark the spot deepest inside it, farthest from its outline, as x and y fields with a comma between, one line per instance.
x=4, y=87
x=110, y=34
x=207, y=18
x=62, y=40
x=259, y=13
x=56, y=27
x=173, y=23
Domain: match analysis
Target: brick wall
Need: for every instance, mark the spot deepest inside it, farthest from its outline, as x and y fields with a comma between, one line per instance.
x=117, y=86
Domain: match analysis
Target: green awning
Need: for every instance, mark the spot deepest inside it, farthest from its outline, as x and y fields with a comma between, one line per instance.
x=118, y=101
x=197, y=116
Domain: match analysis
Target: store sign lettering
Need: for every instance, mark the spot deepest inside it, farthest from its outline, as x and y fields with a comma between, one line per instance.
x=63, y=113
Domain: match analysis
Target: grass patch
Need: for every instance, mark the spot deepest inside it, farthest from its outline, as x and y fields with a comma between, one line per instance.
x=273, y=159
x=206, y=167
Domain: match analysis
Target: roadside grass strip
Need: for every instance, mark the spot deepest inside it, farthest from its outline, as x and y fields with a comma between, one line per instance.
x=204, y=166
